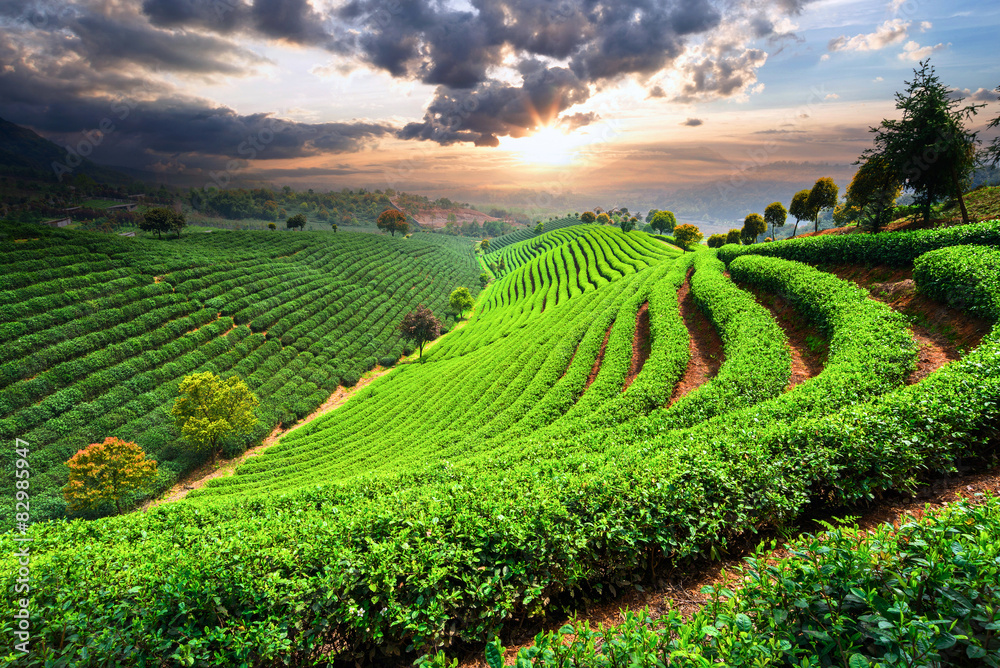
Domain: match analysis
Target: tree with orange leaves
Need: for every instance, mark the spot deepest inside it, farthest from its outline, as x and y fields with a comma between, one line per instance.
x=108, y=471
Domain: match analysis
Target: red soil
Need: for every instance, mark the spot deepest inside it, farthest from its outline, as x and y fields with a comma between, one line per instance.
x=641, y=344
x=599, y=360
x=941, y=332
x=807, y=360
x=705, y=344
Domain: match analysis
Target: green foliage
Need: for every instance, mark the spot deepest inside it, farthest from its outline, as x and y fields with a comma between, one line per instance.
x=965, y=277
x=734, y=237
x=461, y=301
x=88, y=352
x=921, y=594
x=898, y=249
x=753, y=226
x=162, y=220
x=297, y=221
x=822, y=196
x=663, y=222
x=539, y=228
x=718, y=240
x=872, y=194
x=687, y=235
x=603, y=219
x=775, y=216
x=515, y=469
x=210, y=410
x=627, y=223
x=588, y=217
x=799, y=209
x=928, y=149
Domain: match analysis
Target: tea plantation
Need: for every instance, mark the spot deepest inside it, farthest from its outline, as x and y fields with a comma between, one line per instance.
x=99, y=330
x=533, y=458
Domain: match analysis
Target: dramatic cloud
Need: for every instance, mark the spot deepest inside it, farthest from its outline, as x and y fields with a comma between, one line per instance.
x=498, y=67
x=891, y=32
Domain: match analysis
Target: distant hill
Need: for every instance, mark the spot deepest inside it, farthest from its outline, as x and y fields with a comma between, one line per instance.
x=27, y=155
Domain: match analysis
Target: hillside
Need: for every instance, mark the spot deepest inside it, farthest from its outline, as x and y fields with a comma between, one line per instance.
x=26, y=155
x=98, y=331
x=551, y=449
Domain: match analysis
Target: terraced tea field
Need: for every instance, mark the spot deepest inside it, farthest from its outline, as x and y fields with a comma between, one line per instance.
x=534, y=458
x=98, y=332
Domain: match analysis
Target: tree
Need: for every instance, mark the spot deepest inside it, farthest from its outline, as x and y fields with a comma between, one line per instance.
x=540, y=227
x=775, y=216
x=753, y=227
x=272, y=226
x=298, y=220
x=209, y=410
x=392, y=221
x=603, y=219
x=822, y=196
x=650, y=214
x=162, y=219
x=484, y=279
x=420, y=326
x=929, y=149
x=717, y=241
x=588, y=217
x=871, y=196
x=333, y=226
x=484, y=245
x=799, y=209
x=664, y=222
x=460, y=300
x=107, y=472
x=733, y=237
x=991, y=155
x=628, y=224
x=687, y=235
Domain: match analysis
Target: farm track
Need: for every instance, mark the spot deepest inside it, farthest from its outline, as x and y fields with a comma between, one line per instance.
x=200, y=476
x=808, y=346
x=594, y=370
x=642, y=344
x=942, y=333
x=705, y=344
x=680, y=587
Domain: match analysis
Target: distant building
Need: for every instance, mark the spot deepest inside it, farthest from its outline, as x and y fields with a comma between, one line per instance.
x=126, y=234
x=57, y=222
x=72, y=209
x=130, y=206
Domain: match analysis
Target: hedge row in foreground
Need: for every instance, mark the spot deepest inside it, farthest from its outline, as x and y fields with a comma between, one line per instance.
x=922, y=595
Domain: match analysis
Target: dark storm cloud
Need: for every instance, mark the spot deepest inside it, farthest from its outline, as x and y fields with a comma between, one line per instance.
x=66, y=61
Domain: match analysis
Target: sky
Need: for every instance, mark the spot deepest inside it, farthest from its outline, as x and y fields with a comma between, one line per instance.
x=537, y=104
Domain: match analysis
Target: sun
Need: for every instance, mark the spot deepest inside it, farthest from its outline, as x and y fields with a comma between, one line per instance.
x=548, y=146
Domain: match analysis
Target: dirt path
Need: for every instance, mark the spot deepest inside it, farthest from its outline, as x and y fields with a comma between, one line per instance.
x=197, y=478
x=942, y=333
x=642, y=344
x=594, y=370
x=808, y=346
x=680, y=588
x=705, y=344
